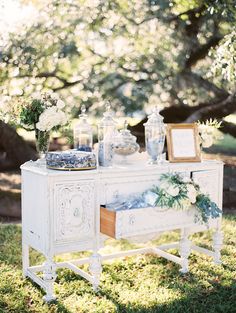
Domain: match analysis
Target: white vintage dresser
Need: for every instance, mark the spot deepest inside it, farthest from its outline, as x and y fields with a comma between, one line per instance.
x=61, y=213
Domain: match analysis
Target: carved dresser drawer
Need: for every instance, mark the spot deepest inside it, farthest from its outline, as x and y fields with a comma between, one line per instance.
x=135, y=222
x=141, y=221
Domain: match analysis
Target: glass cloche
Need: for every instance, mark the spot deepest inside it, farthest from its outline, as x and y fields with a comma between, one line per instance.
x=106, y=134
x=125, y=143
x=155, y=136
x=83, y=133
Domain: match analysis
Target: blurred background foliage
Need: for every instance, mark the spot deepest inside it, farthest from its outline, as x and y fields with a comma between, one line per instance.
x=136, y=53
x=179, y=54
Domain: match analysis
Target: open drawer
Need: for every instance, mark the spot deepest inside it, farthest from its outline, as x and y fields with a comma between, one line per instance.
x=135, y=222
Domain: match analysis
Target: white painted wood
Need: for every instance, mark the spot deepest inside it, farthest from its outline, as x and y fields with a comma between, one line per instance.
x=217, y=245
x=203, y=250
x=184, y=250
x=25, y=259
x=61, y=213
x=167, y=255
x=80, y=272
x=95, y=269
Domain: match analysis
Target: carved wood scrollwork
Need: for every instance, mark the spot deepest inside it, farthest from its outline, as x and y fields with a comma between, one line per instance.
x=74, y=210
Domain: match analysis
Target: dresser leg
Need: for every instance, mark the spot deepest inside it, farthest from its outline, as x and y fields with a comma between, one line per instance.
x=25, y=258
x=217, y=245
x=49, y=276
x=185, y=248
x=95, y=268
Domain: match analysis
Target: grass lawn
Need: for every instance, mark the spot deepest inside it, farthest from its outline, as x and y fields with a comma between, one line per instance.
x=143, y=283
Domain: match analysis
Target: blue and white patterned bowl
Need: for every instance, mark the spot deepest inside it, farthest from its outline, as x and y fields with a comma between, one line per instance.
x=71, y=160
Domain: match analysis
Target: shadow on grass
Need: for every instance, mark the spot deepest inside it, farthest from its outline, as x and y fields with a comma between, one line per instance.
x=146, y=284
x=198, y=300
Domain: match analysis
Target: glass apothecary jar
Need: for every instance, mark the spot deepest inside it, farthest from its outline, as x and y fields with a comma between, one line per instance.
x=83, y=133
x=106, y=134
x=125, y=143
x=155, y=136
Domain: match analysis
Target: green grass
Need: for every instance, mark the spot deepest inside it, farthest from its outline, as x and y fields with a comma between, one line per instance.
x=143, y=283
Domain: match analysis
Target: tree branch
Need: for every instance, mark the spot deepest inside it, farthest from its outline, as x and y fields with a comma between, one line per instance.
x=213, y=109
x=188, y=78
x=228, y=128
x=202, y=51
x=67, y=84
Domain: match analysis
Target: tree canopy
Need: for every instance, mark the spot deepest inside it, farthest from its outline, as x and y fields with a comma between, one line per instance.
x=135, y=53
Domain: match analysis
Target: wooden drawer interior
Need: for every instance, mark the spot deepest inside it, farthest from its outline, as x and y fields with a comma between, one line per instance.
x=107, y=222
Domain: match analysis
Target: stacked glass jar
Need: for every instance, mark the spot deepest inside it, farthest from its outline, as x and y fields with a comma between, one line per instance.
x=155, y=136
x=83, y=133
x=106, y=133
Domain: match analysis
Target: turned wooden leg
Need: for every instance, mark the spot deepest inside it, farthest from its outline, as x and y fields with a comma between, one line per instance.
x=49, y=276
x=25, y=259
x=185, y=248
x=95, y=268
x=217, y=245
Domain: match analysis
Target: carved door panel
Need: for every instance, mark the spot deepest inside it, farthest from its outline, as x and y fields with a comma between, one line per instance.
x=74, y=206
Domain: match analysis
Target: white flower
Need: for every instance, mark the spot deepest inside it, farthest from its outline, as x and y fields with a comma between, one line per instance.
x=186, y=179
x=207, y=140
x=172, y=191
x=50, y=118
x=164, y=185
x=206, y=133
x=60, y=104
x=47, y=104
x=54, y=96
x=202, y=128
x=191, y=193
x=37, y=96
x=5, y=105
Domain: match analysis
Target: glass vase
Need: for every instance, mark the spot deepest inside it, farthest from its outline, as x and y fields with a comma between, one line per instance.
x=42, y=143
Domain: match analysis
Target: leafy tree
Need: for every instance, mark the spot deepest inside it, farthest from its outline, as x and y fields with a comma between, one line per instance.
x=135, y=53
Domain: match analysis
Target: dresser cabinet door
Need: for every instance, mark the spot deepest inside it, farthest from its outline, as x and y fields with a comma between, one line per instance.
x=208, y=182
x=74, y=207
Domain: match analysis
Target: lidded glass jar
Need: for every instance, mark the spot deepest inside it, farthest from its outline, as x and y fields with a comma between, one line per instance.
x=83, y=133
x=155, y=136
x=125, y=143
x=106, y=133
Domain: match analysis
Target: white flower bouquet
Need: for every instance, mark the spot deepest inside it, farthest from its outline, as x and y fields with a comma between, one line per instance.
x=44, y=112
x=208, y=134
x=41, y=113
x=181, y=193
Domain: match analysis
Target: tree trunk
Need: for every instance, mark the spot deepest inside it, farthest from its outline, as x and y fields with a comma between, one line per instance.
x=228, y=128
x=187, y=114
x=15, y=151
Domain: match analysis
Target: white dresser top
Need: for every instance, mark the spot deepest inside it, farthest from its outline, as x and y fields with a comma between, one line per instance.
x=137, y=165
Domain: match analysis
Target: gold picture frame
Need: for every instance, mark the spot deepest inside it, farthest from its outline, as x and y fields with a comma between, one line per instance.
x=183, y=143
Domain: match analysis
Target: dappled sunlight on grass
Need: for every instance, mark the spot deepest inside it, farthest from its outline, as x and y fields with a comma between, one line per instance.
x=143, y=283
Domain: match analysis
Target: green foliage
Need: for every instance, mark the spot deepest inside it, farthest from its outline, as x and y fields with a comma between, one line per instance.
x=138, y=284
x=225, y=59
x=30, y=116
x=181, y=193
x=207, y=208
x=130, y=52
x=167, y=200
